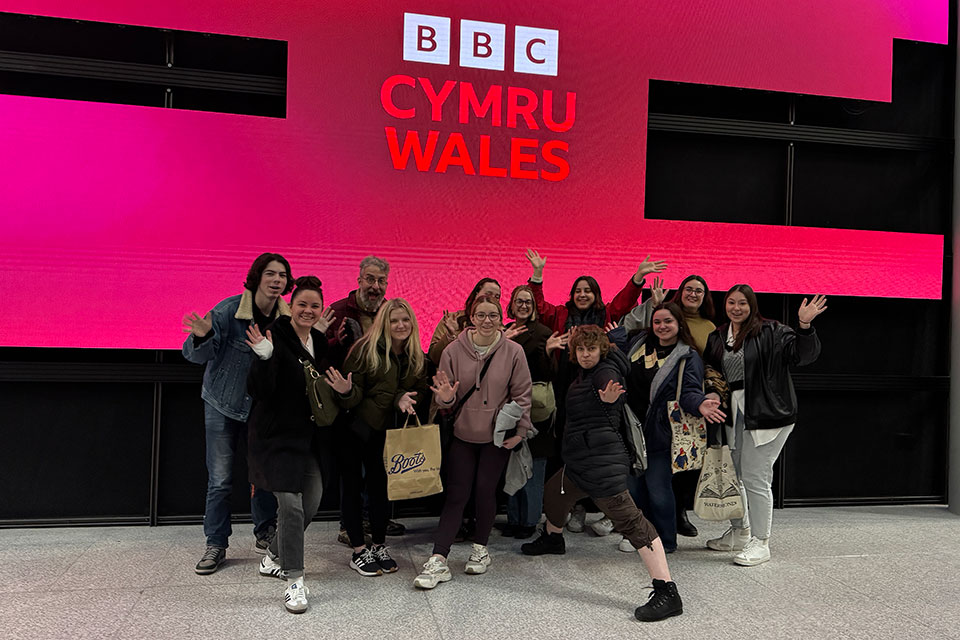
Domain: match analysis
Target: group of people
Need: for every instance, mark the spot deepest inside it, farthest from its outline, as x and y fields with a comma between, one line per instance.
x=551, y=380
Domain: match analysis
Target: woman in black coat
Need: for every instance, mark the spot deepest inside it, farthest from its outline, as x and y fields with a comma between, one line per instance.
x=282, y=434
x=598, y=460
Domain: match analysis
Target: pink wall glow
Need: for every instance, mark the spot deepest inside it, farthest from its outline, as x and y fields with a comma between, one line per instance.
x=149, y=213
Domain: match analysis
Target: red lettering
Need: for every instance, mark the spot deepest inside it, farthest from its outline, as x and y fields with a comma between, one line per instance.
x=517, y=156
x=422, y=156
x=386, y=96
x=560, y=163
x=568, y=118
x=437, y=100
x=431, y=38
x=492, y=102
x=485, y=168
x=485, y=44
x=462, y=159
x=514, y=108
x=530, y=51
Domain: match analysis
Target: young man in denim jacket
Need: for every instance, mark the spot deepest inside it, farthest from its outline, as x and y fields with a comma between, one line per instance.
x=218, y=340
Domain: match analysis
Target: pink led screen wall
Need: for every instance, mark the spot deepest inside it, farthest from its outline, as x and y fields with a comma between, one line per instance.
x=130, y=216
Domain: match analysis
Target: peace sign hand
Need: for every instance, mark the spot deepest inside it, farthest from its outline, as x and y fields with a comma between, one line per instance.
x=810, y=310
x=611, y=392
x=193, y=323
x=657, y=293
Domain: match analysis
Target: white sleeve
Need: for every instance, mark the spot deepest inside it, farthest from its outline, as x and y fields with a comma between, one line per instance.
x=264, y=349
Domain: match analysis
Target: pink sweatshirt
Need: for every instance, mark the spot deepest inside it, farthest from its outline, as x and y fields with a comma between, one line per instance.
x=508, y=378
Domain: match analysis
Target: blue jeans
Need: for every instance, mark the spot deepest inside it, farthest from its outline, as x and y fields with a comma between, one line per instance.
x=653, y=493
x=525, y=506
x=222, y=435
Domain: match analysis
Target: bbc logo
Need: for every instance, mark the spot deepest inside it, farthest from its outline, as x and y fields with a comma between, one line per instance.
x=482, y=44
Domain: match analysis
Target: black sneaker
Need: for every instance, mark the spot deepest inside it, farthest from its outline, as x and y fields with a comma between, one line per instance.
x=522, y=533
x=212, y=558
x=394, y=528
x=684, y=526
x=365, y=563
x=508, y=530
x=664, y=602
x=382, y=556
x=546, y=543
x=264, y=539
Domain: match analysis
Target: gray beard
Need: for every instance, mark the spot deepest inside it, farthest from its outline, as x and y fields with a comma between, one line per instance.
x=364, y=303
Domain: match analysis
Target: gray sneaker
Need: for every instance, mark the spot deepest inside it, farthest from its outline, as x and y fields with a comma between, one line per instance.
x=212, y=558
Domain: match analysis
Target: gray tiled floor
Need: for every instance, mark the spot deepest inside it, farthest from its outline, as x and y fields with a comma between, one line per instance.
x=866, y=572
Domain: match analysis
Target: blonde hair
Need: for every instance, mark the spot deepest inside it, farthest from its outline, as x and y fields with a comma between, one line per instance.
x=366, y=346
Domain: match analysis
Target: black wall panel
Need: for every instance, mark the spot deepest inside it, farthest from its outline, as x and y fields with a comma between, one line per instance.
x=75, y=450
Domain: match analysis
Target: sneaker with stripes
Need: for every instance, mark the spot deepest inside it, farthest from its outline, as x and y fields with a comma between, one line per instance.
x=295, y=597
x=271, y=568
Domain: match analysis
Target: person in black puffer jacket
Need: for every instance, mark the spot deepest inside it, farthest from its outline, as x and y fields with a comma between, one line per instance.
x=598, y=461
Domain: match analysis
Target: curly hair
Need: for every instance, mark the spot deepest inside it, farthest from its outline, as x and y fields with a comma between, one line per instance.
x=588, y=335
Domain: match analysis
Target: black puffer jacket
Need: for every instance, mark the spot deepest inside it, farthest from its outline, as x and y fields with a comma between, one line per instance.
x=593, y=449
x=281, y=436
x=767, y=357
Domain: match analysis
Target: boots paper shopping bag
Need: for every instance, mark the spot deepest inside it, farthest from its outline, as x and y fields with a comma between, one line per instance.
x=411, y=458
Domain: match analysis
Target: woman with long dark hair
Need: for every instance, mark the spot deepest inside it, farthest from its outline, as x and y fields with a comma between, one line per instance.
x=389, y=375
x=282, y=437
x=656, y=358
x=755, y=355
x=453, y=322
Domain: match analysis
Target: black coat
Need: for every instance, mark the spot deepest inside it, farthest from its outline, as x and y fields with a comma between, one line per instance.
x=770, y=401
x=281, y=434
x=594, y=451
x=543, y=368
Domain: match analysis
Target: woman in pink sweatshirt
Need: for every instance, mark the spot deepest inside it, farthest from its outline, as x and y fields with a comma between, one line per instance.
x=480, y=372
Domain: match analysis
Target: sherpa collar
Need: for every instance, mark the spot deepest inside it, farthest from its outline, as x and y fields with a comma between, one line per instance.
x=245, y=310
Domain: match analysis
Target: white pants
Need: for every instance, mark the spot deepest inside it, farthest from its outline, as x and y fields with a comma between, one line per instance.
x=754, y=465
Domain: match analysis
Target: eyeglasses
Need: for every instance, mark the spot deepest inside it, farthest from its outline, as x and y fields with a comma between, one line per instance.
x=370, y=280
x=483, y=317
x=693, y=292
x=523, y=303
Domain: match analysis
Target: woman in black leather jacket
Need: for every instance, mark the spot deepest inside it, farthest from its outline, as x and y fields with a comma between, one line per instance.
x=755, y=356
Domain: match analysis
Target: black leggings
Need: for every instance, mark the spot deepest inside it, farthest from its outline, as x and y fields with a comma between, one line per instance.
x=361, y=463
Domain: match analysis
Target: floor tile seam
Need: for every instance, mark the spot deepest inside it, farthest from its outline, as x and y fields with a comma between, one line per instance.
x=408, y=552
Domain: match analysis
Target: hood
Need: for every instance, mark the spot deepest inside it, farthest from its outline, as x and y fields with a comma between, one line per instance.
x=463, y=342
x=615, y=360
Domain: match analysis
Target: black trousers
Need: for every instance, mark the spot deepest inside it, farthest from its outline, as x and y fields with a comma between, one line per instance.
x=361, y=465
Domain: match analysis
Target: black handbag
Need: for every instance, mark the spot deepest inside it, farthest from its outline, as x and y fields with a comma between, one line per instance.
x=319, y=395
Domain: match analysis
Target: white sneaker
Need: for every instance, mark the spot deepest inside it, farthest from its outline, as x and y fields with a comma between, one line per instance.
x=577, y=516
x=733, y=539
x=434, y=571
x=626, y=546
x=603, y=527
x=755, y=552
x=295, y=597
x=479, y=560
x=271, y=568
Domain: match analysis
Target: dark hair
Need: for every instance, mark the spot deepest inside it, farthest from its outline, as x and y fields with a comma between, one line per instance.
x=706, y=309
x=513, y=295
x=255, y=274
x=594, y=287
x=468, y=305
x=488, y=299
x=307, y=283
x=683, y=331
x=753, y=324
x=588, y=335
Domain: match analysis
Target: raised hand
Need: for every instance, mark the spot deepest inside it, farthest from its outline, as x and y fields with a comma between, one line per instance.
x=342, y=333
x=810, y=310
x=326, y=319
x=611, y=392
x=657, y=292
x=193, y=323
x=442, y=389
x=557, y=341
x=254, y=337
x=536, y=262
x=610, y=326
x=451, y=324
x=710, y=409
x=515, y=330
x=647, y=267
x=336, y=380
x=406, y=402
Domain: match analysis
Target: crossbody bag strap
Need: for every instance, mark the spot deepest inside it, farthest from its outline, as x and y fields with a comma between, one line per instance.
x=466, y=396
x=680, y=379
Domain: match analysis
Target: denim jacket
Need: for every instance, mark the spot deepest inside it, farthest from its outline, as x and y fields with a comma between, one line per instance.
x=227, y=356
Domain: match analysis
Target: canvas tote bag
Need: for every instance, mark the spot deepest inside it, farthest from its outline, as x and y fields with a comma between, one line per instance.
x=718, y=490
x=411, y=458
x=689, y=433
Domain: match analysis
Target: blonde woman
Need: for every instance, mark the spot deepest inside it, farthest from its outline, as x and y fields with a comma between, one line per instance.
x=389, y=376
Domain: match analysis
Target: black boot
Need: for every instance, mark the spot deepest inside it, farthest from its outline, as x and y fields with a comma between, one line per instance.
x=546, y=543
x=663, y=603
x=684, y=526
